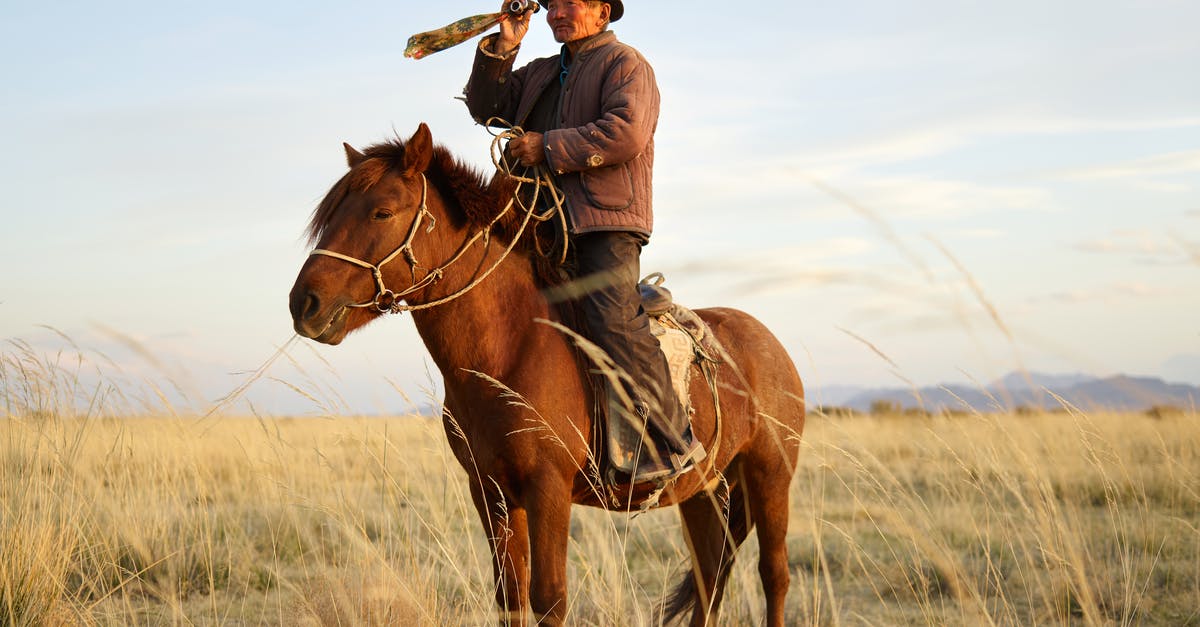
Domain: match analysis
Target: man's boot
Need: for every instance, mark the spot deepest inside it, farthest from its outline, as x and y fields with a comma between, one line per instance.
x=659, y=460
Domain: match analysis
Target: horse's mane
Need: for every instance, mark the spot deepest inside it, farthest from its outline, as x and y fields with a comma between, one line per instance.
x=473, y=199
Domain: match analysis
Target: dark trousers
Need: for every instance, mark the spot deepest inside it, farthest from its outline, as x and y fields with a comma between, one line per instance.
x=608, y=269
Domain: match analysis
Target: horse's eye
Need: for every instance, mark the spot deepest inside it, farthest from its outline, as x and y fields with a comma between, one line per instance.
x=382, y=214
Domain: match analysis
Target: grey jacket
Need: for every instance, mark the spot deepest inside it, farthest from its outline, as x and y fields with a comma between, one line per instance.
x=602, y=150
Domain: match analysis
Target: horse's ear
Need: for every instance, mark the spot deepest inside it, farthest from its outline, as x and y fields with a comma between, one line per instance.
x=418, y=151
x=353, y=157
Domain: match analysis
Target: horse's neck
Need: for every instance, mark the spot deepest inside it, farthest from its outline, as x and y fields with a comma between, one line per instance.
x=483, y=329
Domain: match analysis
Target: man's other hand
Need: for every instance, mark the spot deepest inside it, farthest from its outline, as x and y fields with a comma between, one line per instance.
x=528, y=149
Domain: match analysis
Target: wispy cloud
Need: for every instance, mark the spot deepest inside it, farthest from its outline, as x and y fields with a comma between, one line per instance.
x=1137, y=242
x=1108, y=294
x=1167, y=164
x=942, y=136
x=1192, y=249
x=979, y=233
x=1146, y=246
x=896, y=147
x=934, y=197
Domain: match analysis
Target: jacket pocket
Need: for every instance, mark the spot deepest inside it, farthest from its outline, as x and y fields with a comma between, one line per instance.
x=609, y=188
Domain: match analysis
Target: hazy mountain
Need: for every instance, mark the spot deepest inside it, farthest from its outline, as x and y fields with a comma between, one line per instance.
x=1033, y=390
x=1036, y=380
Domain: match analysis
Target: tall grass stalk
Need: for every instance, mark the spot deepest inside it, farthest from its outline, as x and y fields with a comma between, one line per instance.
x=112, y=517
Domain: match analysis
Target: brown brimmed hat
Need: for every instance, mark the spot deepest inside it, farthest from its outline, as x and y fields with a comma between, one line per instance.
x=618, y=10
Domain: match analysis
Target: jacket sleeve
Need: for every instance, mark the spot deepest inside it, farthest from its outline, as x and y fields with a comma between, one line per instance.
x=628, y=116
x=494, y=89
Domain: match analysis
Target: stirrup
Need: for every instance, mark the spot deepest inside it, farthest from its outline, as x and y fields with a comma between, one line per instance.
x=674, y=466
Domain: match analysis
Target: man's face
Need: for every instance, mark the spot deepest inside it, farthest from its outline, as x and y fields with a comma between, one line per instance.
x=572, y=20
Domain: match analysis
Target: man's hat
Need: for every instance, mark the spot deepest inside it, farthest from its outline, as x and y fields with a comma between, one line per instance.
x=618, y=10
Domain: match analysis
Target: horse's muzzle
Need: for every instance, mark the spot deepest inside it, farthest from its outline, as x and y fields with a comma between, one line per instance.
x=315, y=320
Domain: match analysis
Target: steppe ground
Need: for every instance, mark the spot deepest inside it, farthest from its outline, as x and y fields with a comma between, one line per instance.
x=1067, y=517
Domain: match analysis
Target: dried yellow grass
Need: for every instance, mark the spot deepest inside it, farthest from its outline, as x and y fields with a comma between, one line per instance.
x=116, y=517
x=1063, y=518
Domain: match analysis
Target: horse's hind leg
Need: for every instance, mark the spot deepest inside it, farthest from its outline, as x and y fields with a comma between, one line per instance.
x=769, y=484
x=716, y=523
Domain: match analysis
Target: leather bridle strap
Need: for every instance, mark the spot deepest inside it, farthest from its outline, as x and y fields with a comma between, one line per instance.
x=386, y=300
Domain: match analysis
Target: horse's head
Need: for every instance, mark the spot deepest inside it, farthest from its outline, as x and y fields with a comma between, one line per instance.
x=370, y=239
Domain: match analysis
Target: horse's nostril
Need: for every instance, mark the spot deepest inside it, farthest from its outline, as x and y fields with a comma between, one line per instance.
x=312, y=306
x=304, y=305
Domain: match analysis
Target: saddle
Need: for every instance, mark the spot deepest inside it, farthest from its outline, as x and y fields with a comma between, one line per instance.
x=685, y=340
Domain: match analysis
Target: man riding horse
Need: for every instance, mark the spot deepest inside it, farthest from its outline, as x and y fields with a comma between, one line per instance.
x=589, y=115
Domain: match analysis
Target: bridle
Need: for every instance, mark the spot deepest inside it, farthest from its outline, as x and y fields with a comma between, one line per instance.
x=385, y=300
x=388, y=301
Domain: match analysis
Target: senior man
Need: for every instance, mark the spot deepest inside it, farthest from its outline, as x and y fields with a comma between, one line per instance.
x=589, y=114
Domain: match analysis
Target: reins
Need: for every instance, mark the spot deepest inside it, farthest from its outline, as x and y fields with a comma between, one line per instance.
x=388, y=301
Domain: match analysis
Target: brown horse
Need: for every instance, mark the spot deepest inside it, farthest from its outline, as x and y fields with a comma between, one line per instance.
x=422, y=213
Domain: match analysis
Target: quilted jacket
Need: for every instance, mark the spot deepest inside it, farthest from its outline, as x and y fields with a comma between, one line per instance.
x=602, y=150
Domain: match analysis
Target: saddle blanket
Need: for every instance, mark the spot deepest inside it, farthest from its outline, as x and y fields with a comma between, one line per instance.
x=680, y=351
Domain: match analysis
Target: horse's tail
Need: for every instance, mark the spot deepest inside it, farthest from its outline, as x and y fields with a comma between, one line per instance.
x=686, y=594
x=681, y=600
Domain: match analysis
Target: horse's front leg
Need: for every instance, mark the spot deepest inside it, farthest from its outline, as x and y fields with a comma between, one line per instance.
x=548, y=502
x=508, y=536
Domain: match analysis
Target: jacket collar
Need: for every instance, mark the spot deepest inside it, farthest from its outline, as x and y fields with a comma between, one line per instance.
x=600, y=39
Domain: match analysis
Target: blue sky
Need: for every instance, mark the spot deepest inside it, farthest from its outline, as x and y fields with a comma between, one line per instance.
x=969, y=187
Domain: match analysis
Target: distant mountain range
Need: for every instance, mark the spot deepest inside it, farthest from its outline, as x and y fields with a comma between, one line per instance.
x=1031, y=390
